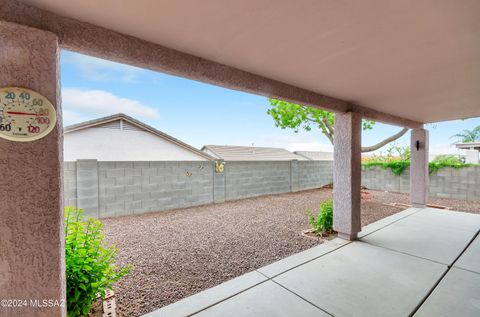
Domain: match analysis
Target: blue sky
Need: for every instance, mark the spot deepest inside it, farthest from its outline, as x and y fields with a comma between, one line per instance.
x=198, y=113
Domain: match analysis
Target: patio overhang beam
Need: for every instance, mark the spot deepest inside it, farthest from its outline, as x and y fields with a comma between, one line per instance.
x=100, y=42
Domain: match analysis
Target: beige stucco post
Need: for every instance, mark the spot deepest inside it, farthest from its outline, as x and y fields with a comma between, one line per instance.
x=347, y=175
x=31, y=217
x=419, y=177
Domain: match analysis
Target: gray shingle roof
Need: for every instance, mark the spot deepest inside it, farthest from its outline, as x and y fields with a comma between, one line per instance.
x=316, y=155
x=250, y=153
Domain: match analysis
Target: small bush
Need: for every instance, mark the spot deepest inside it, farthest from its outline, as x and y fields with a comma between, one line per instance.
x=90, y=263
x=448, y=159
x=397, y=167
x=324, y=221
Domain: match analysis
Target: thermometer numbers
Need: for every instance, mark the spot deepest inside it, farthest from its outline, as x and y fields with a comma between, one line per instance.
x=25, y=115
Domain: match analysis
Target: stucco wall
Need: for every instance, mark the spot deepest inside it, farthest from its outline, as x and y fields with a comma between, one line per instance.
x=106, y=144
x=32, y=264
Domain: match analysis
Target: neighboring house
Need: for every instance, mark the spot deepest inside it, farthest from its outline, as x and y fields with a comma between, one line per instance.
x=250, y=153
x=471, y=151
x=316, y=155
x=123, y=138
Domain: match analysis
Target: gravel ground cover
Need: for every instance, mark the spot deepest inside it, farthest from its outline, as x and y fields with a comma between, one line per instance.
x=182, y=252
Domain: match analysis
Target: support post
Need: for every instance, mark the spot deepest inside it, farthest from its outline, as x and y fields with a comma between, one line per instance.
x=419, y=176
x=31, y=217
x=347, y=175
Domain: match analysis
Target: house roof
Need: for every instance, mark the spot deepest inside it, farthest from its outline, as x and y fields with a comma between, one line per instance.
x=316, y=155
x=136, y=123
x=250, y=153
x=468, y=145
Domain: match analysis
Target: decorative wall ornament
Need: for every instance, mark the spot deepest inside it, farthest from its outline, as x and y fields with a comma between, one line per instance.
x=219, y=166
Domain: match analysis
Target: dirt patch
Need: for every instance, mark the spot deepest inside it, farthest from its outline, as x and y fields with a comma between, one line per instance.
x=182, y=252
x=97, y=309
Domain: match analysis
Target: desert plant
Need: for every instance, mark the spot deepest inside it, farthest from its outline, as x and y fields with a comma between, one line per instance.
x=323, y=222
x=90, y=262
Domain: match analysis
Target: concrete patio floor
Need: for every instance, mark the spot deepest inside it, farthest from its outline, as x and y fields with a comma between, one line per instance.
x=419, y=262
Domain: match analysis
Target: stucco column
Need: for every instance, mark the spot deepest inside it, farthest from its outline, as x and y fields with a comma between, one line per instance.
x=31, y=215
x=419, y=177
x=347, y=175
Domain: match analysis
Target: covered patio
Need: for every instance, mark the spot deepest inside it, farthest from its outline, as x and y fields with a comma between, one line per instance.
x=405, y=63
x=419, y=262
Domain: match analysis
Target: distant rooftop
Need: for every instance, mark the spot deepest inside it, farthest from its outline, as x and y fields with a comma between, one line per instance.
x=250, y=153
x=468, y=145
x=316, y=155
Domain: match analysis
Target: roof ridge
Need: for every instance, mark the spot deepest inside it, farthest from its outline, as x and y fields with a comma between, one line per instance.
x=140, y=124
x=247, y=146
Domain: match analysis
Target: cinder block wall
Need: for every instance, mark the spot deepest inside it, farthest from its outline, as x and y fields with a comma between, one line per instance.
x=106, y=189
x=70, y=183
x=250, y=179
x=462, y=183
x=376, y=177
x=138, y=187
x=311, y=174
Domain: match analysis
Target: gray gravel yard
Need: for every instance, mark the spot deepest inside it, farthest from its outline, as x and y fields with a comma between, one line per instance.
x=181, y=252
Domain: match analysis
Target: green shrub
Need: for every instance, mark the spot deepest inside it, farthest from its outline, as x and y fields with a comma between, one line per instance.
x=397, y=167
x=90, y=263
x=324, y=221
x=448, y=159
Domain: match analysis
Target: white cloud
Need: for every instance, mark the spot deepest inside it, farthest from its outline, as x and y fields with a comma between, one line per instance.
x=70, y=117
x=79, y=105
x=97, y=69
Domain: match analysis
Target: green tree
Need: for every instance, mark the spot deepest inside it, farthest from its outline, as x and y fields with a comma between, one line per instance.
x=289, y=115
x=468, y=135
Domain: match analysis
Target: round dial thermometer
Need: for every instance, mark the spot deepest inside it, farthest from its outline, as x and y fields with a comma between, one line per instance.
x=25, y=115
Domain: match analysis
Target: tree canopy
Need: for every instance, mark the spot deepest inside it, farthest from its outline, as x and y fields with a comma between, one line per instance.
x=468, y=135
x=287, y=115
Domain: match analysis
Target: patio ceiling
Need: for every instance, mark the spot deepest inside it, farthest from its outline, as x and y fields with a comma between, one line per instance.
x=413, y=59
